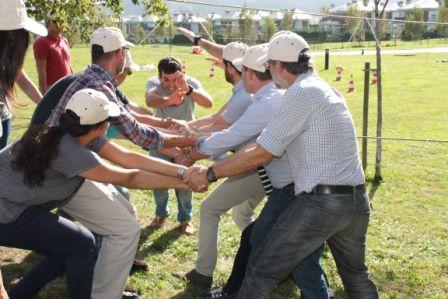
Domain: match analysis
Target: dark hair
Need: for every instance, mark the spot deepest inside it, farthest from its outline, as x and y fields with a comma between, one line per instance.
x=39, y=146
x=13, y=47
x=266, y=75
x=98, y=54
x=226, y=62
x=169, y=65
x=303, y=65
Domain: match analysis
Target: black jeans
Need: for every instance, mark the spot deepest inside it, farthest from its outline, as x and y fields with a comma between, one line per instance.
x=67, y=248
x=340, y=220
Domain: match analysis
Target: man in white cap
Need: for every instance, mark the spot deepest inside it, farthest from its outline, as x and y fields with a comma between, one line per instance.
x=314, y=127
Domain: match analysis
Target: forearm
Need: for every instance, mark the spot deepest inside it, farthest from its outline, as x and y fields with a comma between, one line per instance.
x=28, y=87
x=141, y=179
x=248, y=158
x=170, y=140
x=42, y=75
x=170, y=152
x=138, y=161
x=195, y=155
x=155, y=100
x=213, y=49
x=149, y=120
x=202, y=98
x=207, y=130
x=139, y=109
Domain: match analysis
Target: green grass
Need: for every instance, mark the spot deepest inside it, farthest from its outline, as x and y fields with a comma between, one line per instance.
x=407, y=244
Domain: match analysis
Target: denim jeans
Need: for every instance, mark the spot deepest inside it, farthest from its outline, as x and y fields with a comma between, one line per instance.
x=340, y=220
x=6, y=128
x=184, y=197
x=308, y=275
x=66, y=247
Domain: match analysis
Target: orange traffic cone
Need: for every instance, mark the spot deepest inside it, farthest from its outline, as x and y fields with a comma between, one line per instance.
x=351, y=84
x=212, y=71
x=183, y=67
x=374, y=78
x=339, y=75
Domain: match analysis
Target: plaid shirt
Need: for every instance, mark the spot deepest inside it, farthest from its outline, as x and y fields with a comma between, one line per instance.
x=315, y=128
x=97, y=78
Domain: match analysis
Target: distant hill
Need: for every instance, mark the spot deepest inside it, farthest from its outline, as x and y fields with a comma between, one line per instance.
x=305, y=5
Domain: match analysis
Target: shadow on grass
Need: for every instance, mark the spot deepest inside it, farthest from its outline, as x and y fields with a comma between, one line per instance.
x=12, y=272
x=191, y=291
x=160, y=244
x=374, y=186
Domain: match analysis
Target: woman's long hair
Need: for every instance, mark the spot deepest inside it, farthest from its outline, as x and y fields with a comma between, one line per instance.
x=39, y=146
x=13, y=47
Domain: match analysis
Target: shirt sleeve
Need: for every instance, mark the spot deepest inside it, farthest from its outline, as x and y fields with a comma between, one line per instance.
x=40, y=49
x=236, y=108
x=97, y=144
x=246, y=128
x=194, y=83
x=288, y=122
x=152, y=82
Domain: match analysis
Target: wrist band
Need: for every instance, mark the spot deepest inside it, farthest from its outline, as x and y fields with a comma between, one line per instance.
x=190, y=90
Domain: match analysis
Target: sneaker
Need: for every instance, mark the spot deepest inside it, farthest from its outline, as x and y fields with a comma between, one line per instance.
x=158, y=222
x=129, y=293
x=197, y=278
x=217, y=293
x=139, y=265
x=186, y=228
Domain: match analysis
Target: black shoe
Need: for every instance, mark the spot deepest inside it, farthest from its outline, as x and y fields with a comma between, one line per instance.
x=139, y=265
x=217, y=293
x=129, y=293
x=197, y=278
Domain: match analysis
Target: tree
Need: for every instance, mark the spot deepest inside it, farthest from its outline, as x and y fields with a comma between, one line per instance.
x=246, y=26
x=85, y=15
x=287, y=22
x=353, y=25
x=269, y=28
x=414, y=31
x=442, y=17
x=137, y=33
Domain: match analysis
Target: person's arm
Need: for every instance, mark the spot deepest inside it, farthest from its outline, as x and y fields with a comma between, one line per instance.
x=41, y=66
x=28, y=87
x=155, y=100
x=207, y=120
x=3, y=294
x=138, y=109
x=212, y=48
x=198, y=94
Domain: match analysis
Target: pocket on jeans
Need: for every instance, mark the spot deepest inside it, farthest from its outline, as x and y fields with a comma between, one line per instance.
x=320, y=220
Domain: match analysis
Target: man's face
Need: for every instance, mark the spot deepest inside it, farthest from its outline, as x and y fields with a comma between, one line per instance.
x=227, y=74
x=53, y=30
x=276, y=72
x=122, y=60
x=169, y=81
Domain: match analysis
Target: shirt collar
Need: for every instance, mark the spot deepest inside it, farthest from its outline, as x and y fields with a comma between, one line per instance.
x=238, y=86
x=262, y=91
x=106, y=76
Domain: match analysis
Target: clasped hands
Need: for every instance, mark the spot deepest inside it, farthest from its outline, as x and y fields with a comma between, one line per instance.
x=195, y=178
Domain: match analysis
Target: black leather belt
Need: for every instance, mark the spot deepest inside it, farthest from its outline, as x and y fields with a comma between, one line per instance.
x=336, y=189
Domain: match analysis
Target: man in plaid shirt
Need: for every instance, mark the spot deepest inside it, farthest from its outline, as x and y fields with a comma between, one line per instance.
x=108, y=59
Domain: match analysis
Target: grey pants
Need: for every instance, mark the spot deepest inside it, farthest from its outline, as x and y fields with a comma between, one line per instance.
x=340, y=220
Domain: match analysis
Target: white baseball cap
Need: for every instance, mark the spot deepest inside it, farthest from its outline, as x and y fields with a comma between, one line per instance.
x=233, y=51
x=110, y=38
x=285, y=47
x=251, y=57
x=13, y=16
x=92, y=106
x=130, y=63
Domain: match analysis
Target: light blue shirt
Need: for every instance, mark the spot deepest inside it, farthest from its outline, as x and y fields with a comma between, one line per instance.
x=248, y=127
x=237, y=104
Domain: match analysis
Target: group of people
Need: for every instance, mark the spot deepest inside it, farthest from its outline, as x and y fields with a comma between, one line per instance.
x=284, y=134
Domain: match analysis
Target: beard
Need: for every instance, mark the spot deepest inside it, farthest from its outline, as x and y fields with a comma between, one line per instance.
x=228, y=77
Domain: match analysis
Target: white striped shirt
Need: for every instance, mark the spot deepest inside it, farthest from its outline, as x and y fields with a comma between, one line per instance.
x=315, y=128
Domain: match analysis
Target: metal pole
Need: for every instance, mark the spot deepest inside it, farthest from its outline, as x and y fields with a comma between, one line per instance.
x=365, y=117
x=171, y=39
x=327, y=58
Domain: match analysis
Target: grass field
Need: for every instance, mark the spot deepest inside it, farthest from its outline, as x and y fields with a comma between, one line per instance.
x=407, y=240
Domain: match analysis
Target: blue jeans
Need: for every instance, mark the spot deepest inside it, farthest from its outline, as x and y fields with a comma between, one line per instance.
x=308, y=275
x=341, y=220
x=6, y=128
x=66, y=247
x=184, y=197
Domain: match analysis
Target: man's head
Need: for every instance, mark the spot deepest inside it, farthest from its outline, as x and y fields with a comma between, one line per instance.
x=53, y=28
x=109, y=47
x=254, y=75
x=232, y=51
x=288, y=56
x=170, y=69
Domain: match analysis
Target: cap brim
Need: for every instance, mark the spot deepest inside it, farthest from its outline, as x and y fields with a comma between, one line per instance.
x=262, y=60
x=35, y=27
x=238, y=64
x=114, y=110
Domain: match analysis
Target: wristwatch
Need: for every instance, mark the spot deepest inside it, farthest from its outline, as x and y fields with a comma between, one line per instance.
x=190, y=90
x=210, y=175
x=196, y=40
x=180, y=172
